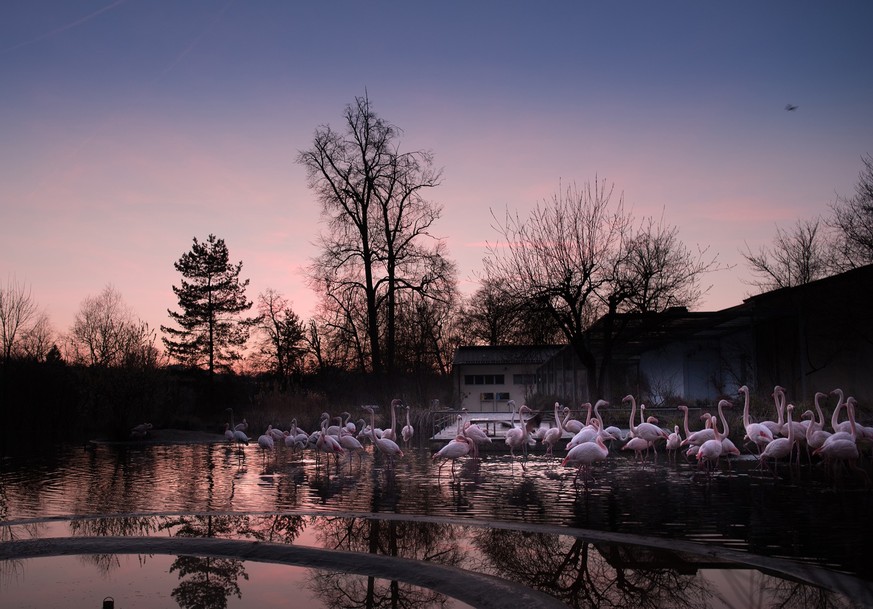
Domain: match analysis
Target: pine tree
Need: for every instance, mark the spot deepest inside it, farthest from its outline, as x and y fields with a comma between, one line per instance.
x=211, y=297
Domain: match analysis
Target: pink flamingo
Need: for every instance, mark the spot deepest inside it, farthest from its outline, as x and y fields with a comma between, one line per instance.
x=586, y=454
x=779, y=448
x=385, y=445
x=757, y=433
x=453, y=451
x=553, y=434
x=390, y=434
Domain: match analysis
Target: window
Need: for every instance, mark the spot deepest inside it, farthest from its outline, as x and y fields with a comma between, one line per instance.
x=483, y=379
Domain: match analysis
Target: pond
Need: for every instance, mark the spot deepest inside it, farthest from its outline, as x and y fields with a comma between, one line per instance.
x=213, y=525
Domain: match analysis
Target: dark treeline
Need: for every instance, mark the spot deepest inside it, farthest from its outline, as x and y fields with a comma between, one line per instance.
x=53, y=401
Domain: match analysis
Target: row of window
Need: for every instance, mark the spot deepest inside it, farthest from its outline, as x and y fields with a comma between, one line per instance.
x=498, y=379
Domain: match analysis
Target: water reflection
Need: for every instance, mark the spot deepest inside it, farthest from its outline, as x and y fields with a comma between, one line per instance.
x=416, y=515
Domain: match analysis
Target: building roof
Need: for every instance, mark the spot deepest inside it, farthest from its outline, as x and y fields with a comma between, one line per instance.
x=506, y=354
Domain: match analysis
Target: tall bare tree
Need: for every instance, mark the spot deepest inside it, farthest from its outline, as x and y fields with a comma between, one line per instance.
x=795, y=258
x=580, y=257
x=18, y=310
x=853, y=217
x=377, y=244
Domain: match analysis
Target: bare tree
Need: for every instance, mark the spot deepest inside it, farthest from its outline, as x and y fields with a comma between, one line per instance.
x=105, y=332
x=17, y=311
x=38, y=338
x=378, y=243
x=853, y=217
x=281, y=344
x=496, y=315
x=579, y=257
x=795, y=258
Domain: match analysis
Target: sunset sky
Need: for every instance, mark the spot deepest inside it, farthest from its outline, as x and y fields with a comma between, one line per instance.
x=127, y=128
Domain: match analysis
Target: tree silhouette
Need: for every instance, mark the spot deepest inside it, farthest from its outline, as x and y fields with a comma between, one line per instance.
x=211, y=297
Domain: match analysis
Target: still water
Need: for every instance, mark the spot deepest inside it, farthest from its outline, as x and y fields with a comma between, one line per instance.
x=209, y=525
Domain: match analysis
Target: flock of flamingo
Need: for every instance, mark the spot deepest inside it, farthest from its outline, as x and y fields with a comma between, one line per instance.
x=343, y=437
x=784, y=438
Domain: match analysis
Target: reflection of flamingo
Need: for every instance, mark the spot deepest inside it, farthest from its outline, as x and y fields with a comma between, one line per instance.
x=760, y=435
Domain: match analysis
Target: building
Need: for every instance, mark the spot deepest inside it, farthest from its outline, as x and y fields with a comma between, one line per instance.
x=813, y=337
x=486, y=378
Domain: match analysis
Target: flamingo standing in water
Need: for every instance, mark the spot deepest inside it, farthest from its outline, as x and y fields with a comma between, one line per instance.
x=647, y=431
x=408, y=430
x=756, y=433
x=384, y=445
x=775, y=427
x=674, y=440
x=586, y=454
x=390, y=434
x=553, y=434
x=454, y=450
x=779, y=448
x=842, y=447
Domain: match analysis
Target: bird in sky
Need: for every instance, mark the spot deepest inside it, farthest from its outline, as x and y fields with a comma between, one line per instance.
x=790, y=107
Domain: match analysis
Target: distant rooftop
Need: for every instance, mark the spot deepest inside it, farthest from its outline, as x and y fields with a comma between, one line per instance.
x=507, y=354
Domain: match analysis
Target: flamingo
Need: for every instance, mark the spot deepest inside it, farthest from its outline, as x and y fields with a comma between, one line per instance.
x=390, y=434
x=326, y=442
x=757, y=433
x=228, y=434
x=835, y=417
x=239, y=436
x=553, y=434
x=638, y=445
x=517, y=437
x=646, y=431
x=710, y=450
x=476, y=435
x=674, y=440
x=574, y=425
x=351, y=444
x=852, y=432
x=586, y=454
x=815, y=432
x=385, y=445
x=265, y=441
x=587, y=434
x=348, y=425
x=276, y=434
x=780, y=447
x=408, y=430
x=454, y=450
x=243, y=426
x=843, y=446
x=775, y=427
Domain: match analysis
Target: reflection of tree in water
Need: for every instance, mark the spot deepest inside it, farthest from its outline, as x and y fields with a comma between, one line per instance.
x=209, y=582
x=116, y=526
x=579, y=574
x=405, y=539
